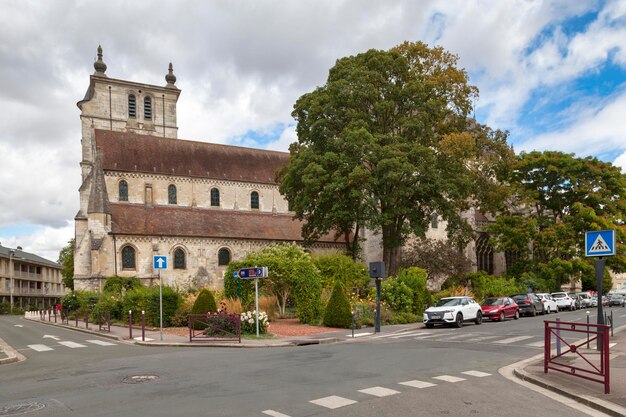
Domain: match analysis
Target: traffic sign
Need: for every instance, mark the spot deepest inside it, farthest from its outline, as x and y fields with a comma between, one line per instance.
x=256, y=272
x=160, y=262
x=600, y=243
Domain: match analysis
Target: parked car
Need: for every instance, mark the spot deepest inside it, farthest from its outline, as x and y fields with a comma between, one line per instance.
x=549, y=305
x=453, y=310
x=529, y=304
x=617, y=300
x=585, y=300
x=577, y=300
x=594, y=301
x=564, y=301
x=499, y=308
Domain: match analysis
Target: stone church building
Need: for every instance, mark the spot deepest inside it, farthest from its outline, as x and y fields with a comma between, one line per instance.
x=145, y=192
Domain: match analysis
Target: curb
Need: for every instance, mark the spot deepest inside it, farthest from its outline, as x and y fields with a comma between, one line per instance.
x=595, y=403
x=12, y=354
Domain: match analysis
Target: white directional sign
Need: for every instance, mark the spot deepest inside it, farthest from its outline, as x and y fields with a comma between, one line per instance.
x=160, y=262
x=600, y=243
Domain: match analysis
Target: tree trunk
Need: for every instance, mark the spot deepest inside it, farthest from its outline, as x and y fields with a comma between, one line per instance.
x=391, y=258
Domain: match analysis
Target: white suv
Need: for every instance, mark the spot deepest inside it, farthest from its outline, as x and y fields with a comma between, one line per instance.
x=453, y=310
x=564, y=301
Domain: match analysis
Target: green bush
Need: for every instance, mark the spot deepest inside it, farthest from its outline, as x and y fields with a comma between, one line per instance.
x=117, y=285
x=147, y=299
x=242, y=289
x=338, y=267
x=415, y=278
x=404, y=318
x=396, y=294
x=5, y=308
x=338, y=312
x=485, y=285
x=204, y=303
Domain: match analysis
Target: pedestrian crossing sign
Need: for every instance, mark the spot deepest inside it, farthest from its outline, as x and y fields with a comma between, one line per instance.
x=600, y=243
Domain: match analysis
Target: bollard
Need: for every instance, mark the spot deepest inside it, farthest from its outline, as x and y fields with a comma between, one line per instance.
x=130, y=323
x=353, y=324
x=76, y=317
x=49, y=316
x=55, y=315
x=143, y=326
x=109, y=321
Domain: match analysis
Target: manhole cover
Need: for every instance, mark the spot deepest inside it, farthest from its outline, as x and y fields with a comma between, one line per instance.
x=138, y=379
x=17, y=409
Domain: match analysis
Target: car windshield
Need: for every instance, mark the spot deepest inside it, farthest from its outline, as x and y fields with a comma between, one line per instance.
x=520, y=297
x=448, y=302
x=492, y=302
x=616, y=296
x=558, y=295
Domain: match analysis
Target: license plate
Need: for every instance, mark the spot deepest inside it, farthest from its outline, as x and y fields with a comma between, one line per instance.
x=435, y=316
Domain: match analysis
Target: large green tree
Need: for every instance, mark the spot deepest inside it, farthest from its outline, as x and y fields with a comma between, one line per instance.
x=66, y=260
x=556, y=197
x=387, y=142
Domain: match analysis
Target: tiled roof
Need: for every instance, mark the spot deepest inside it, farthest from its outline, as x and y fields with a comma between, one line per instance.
x=137, y=219
x=130, y=152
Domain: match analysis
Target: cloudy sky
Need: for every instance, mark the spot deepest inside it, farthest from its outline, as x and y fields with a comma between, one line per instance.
x=553, y=73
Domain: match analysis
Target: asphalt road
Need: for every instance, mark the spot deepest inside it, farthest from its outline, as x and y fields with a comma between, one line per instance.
x=416, y=372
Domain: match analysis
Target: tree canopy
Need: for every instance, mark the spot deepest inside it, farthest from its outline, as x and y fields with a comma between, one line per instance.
x=66, y=260
x=555, y=198
x=387, y=142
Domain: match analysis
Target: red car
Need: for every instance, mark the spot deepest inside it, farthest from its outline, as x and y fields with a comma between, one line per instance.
x=499, y=308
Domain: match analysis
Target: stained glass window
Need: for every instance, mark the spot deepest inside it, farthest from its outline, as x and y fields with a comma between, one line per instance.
x=123, y=190
x=179, y=259
x=171, y=194
x=223, y=257
x=215, y=197
x=128, y=257
x=254, y=200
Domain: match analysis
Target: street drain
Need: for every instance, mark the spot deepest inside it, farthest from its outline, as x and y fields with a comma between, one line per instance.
x=14, y=410
x=139, y=379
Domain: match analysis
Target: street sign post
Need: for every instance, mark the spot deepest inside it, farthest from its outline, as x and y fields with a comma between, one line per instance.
x=160, y=262
x=254, y=273
x=600, y=243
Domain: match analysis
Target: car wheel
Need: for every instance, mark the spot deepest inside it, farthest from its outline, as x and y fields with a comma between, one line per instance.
x=430, y=325
x=479, y=318
x=534, y=312
x=516, y=317
x=501, y=318
x=459, y=320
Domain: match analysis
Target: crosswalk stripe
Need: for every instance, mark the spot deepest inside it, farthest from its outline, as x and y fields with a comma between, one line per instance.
x=409, y=334
x=480, y=339
x=449, y=378
x=427, y=336
x=40, y=348
x=360, y=334
x=461, y=336
x=612, y=344
x=379, y=391
x=536, y=344
x=72, y=345
x=333, y=402
x=417, y=384
x=477, y=374
x=101, y=342
x=512, y=340
x=274, y=413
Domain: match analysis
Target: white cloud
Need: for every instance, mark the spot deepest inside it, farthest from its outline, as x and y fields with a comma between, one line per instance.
x=286, y=138
x=620, y=161
x=43, y=241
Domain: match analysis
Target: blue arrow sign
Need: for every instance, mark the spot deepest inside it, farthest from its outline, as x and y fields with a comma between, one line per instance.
x=256, y=272
x=160, y=262
x=600, y=243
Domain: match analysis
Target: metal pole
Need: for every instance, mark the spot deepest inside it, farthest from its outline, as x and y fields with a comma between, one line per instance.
x=599, y=265
x=143, y=325
x=558, y=337
x=130, y=324
x=256, y=302
x=377, y=317
x=352, y=325
x=160, y=305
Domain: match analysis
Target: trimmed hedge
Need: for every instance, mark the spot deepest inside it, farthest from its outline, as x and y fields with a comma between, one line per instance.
x=338, y=312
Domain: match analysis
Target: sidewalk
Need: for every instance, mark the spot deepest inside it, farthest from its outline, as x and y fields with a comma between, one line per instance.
x=586, y=392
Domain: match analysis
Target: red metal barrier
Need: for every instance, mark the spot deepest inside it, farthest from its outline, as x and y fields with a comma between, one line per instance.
x=596, y=372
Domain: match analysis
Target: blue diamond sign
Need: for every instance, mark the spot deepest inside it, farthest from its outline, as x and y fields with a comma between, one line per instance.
x=600, y=243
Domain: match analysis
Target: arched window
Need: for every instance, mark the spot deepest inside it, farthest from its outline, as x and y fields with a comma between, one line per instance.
x=132, y=106
x=123, y=191
x=434, y=221
x=128, y=257
x=171, y=194
x=254, y=200
x=179, y=259
x=223, y=257
x=147, y=108
x=215, y=197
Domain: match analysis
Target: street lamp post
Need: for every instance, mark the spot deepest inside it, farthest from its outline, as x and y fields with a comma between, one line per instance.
x=11, y=254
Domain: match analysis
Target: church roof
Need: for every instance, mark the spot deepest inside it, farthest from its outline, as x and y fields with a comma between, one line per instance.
x=130, y=152
x=137, y=219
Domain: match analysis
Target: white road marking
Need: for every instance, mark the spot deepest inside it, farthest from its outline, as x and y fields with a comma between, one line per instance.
x=72, y=345
x=417, y=384
x=359, y=335
x=49, y=336
x=460, y=336
x=480, y=339
x=18, y=325
x=147, y=339
x=449, y=378
x=536, y=344
x=612, y=344
x=40, y=348
x=476, y=373
x=409, y=334
x=274, y=413
x=379, y=391
x=333, y=402
x=512, y=340
x=427, y=336
x=101, y=342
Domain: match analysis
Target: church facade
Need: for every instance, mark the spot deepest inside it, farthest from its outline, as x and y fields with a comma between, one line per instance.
x=145, y=192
